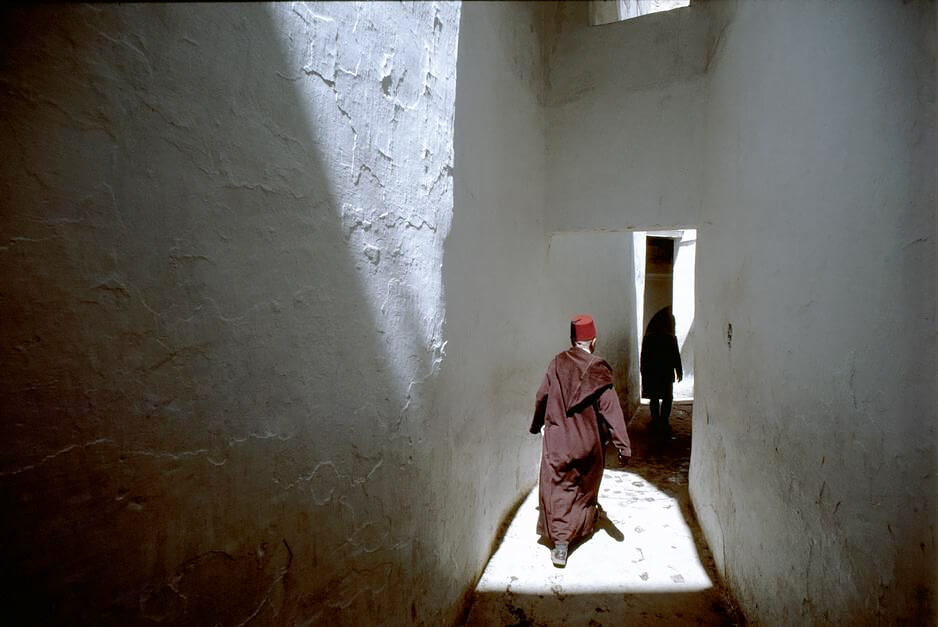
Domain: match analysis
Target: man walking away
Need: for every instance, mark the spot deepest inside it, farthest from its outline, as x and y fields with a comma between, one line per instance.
x=659, y=361
x=576, y=394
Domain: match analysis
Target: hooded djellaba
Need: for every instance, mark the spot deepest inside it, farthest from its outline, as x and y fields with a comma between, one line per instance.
x=575, y=395
x=660, y=356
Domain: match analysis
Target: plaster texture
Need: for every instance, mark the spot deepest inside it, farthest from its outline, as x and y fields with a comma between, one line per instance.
x=813, y=469
x=222, y=236
x=811, y=161
x=503, y=323
x=276, y=294
x=625, y=106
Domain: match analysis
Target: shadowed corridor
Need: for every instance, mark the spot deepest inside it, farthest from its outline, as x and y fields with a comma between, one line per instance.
x=278, y=283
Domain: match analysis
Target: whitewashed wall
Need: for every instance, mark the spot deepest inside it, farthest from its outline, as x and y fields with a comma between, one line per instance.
x=685, y=258
x=592, y=273
x=222, y=235
x=271, y=345
x=625, y=111
x=813, y=467
x=501, y=330
x=803, y=139
x=625, y=106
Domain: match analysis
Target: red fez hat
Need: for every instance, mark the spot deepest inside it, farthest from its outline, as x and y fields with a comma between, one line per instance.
x=582, y=328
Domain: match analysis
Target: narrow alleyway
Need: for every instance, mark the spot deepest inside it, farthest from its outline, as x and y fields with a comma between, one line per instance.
x=646, y=565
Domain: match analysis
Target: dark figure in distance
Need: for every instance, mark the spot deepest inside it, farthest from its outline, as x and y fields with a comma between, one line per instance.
x=575, y=395
x=660, y=360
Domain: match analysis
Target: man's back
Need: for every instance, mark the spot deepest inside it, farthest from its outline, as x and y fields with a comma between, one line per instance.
x=574, y=396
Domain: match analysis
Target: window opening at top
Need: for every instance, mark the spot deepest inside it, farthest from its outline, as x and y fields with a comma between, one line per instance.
x=608, y=11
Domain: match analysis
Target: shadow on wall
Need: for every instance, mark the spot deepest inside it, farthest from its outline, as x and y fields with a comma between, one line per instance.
x=203, y=420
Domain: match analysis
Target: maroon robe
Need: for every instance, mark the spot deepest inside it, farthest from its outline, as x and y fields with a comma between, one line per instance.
x=575, y=395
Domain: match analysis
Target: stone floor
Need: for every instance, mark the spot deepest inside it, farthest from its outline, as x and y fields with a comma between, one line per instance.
x=647, y=566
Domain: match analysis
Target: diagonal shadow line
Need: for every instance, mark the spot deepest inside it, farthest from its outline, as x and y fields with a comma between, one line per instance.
x=277, y=508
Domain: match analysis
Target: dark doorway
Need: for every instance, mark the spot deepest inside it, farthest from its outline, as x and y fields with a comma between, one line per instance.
x=659, y=276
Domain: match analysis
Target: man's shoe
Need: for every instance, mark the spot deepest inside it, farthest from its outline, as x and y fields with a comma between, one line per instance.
x=558, y=554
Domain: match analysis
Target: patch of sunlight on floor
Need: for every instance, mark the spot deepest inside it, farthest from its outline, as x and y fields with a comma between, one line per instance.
x=655, y=551
x=649, y=568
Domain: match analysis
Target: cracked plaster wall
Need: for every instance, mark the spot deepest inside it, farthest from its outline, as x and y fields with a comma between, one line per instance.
x=222, y=237
x=813, y=466
x=223, y=229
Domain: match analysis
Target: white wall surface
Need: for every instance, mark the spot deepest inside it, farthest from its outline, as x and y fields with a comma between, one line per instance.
x=639, y=255
x=813, y=468
x=272, y=348
x=593, y=273
x=625, y=106
x=685, y=257
x=222, y=236
x=501, y=328
x=806, y=132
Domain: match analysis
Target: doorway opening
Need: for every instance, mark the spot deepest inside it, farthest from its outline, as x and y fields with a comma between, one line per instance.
x=664, y=265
